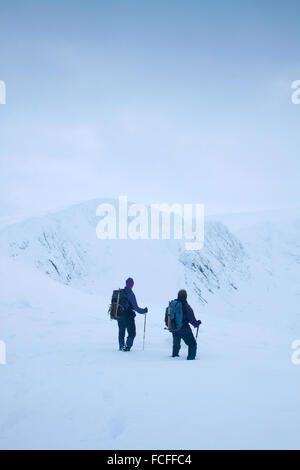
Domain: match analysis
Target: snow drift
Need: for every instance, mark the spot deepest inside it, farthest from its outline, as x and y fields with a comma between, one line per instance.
x=66, y=386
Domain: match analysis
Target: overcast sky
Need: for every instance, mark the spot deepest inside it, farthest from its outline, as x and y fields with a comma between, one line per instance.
x=176, y=101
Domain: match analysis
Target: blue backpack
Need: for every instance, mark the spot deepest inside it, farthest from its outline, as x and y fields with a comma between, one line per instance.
x=174, y=316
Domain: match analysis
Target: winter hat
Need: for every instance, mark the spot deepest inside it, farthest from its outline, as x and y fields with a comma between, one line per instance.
x=130, y=282
x=182, y=295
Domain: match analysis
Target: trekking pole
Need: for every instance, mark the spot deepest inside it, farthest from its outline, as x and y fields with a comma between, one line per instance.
x=144, y=331
x=197, y=332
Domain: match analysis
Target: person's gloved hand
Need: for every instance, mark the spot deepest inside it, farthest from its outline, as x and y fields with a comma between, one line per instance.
x=146, y=310
x=199, y=323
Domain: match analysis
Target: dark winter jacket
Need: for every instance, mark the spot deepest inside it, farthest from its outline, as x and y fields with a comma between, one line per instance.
x=188, y=317
x=132, y=301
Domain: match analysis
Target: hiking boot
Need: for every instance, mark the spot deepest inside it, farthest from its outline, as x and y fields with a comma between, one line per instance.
x=126, y=349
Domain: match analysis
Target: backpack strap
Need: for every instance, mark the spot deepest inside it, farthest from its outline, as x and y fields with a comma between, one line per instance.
x=169, y=314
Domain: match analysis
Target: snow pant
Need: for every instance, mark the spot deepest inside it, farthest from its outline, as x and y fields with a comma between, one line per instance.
x=126, y=323
x=189, y=340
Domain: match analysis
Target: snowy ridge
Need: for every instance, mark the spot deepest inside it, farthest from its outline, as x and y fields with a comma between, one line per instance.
x=64, y=246
x=64, y=375
x=222, y=263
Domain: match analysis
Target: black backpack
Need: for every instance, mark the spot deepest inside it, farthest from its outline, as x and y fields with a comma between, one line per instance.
x=119, y=304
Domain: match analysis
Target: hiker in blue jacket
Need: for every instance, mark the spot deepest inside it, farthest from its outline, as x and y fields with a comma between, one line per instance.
x=185, y=333
x=127, y=321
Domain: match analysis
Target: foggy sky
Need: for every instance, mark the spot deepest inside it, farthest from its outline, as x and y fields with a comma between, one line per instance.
x=176, y=101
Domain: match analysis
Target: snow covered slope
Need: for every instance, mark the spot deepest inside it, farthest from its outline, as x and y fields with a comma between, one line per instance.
x=66, y=386
x=64, y=246
x=272, y=240
x=65, y=382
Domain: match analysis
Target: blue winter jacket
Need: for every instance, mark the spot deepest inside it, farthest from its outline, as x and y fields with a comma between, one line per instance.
x=188, y=317
x=132, y=301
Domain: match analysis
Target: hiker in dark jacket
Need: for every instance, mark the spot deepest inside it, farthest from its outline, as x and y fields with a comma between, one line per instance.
x=185, y=333
x=127, y=321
